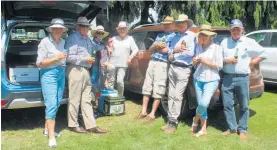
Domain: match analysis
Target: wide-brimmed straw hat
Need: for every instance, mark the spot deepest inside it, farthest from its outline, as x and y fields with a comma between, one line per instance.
x=99, y=29
x=168, y=20
x=207, y=30
x=184, y=18
x=83, y=21
x=56, y=23
x=122, y=24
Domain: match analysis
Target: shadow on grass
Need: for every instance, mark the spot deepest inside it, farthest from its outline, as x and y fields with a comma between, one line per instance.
x=216, y=118
x=31, y=118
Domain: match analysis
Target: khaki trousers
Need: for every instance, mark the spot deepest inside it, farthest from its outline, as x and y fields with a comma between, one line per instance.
x=80, y=94
x=178, y=79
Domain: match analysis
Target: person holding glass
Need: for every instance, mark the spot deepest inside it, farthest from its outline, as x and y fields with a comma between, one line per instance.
x=207, y=62
x=51, y=62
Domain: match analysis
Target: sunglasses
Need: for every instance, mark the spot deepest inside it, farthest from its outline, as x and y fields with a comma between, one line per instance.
x=100, y=33
x=83, y=26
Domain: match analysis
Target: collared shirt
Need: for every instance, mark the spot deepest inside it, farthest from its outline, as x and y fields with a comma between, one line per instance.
x=79, y=49
x=247, y=49
x=213, y=54
x=183, y=58
x=122, y=49
x=167, y=37
x=48, y=48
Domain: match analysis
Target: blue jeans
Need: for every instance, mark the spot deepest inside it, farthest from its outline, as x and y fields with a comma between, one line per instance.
x=52, y=85
x=238, y=86
x=204, y=92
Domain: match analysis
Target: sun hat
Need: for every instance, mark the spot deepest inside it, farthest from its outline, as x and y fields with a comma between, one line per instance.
x=207, y=30
x=56, y=23
x=121, y=24
x=168, y=20
x=99, y=29
x=235, y=23
x=183, y=18
x=83, y=21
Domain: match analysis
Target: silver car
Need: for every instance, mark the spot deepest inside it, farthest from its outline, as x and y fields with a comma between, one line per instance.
x=268, y=40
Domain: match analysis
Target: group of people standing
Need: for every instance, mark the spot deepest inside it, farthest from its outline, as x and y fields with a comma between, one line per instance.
x=73, y=59
x=173, y=56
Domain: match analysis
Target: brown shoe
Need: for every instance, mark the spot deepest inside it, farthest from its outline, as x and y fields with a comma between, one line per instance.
x=170, y=129
x=97, y=130
x=149, y=120
x=141, y=116
x=228, y=132
x=243, y=136
x=77, y=129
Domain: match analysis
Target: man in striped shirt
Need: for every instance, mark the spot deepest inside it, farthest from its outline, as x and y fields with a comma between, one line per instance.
x=181, y=53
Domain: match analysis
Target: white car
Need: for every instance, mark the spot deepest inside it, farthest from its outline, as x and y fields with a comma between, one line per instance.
x=268, y=40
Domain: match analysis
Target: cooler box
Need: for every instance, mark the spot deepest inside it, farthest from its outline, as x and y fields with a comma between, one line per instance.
x=105, y=93
x=114, y=105
x=110, y=103
x=19, y=75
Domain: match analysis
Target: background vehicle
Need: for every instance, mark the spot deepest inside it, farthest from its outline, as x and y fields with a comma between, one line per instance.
x=268, y=40
x=22, y=53
x=144, y=37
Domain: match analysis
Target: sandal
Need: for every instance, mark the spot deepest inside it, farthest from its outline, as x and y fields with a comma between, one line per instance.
x=141, y=116
x=200, y=133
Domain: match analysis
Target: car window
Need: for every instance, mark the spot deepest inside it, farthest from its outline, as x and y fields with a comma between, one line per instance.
x=262, y=38
x=150, y=38
x=139, y=39
x=273, y=41
x=3, y=25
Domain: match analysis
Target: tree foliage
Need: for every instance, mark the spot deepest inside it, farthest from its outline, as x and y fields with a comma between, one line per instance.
x=254, y=14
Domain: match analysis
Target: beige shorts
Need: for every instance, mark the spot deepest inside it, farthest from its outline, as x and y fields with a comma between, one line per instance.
x=155, y=79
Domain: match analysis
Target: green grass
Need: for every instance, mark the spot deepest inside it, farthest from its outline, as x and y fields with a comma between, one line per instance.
x=25, y=131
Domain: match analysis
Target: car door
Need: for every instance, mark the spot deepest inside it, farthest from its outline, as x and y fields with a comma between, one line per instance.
x=263, y=38
x=271, y=62
x=137, y=71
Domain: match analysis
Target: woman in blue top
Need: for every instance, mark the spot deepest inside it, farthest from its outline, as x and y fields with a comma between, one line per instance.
x=51, y=61
x=208, y=62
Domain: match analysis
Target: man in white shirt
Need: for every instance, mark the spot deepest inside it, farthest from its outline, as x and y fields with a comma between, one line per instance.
x=239, y=55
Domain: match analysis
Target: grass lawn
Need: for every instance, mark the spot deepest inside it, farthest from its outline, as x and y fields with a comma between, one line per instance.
x=22, y=129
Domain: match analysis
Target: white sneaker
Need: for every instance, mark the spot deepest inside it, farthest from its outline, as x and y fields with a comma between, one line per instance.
x=52, y=142
x=45, y=133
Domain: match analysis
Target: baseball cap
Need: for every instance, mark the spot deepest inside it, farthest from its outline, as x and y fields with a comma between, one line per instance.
x=236, y=23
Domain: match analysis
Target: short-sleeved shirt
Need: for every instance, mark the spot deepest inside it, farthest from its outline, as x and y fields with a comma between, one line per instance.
x=247, y=49
x=183, y=58
x=48, y=48
x=122, y=49
x=79, y=49
x=167, y=37
x=213, y=53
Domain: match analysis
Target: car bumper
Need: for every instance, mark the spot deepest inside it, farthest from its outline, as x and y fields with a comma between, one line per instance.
x=17, y=100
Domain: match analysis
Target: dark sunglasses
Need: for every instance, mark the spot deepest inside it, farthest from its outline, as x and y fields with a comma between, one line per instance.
x=100, y=33
x=83, y=26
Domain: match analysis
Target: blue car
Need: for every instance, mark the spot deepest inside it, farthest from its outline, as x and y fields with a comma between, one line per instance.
x=20, y=82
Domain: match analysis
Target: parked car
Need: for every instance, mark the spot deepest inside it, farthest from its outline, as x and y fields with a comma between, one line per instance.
x=31, y=17
x=144, y=37
x=268, y=40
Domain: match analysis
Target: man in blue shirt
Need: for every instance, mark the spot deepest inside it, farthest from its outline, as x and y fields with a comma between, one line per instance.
x=156, y=74
x=239, y=55
x=79, y=83
x=181, y=53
